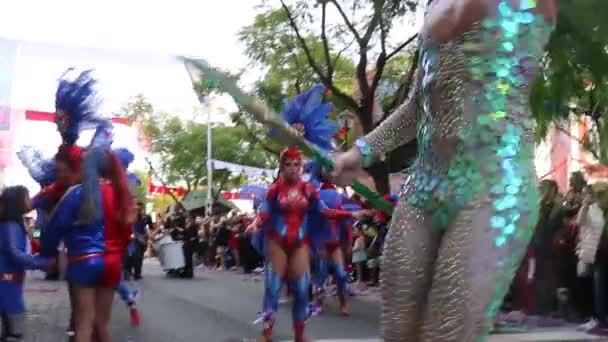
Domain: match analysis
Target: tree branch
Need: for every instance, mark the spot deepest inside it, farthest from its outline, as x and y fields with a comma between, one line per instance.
x=402, y=46
x=405, y=86
x=328, y=81
x=302, y=41
x=381, y=63
x=198, y=172
x=348, y=23
x=382, y=35
x=153, y=171
x=221, y=187
x=376, y=19
x=330, y=68
x=579, y=141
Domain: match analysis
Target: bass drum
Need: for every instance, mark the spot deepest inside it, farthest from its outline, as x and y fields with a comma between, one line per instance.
x=171, y=254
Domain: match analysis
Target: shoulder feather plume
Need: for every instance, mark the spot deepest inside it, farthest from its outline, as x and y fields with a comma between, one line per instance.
x=41, y=169
x=308, y=111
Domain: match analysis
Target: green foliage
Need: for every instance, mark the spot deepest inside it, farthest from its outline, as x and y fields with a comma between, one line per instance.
x=271, y=43
x=297, y=46
x=141, y=191
x=181, y=148
x=574, y=76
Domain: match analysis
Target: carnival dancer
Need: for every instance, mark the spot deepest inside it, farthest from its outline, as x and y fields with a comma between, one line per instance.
x=127, y=295
x=287, y=243
x=76, y=109
x=14, y=261
x=338, y=234
x=469, y=206
x=94, y=220
x=285, y=211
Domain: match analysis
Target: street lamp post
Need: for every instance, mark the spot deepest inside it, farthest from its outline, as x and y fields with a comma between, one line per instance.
x=196, y=78
x=209, y=167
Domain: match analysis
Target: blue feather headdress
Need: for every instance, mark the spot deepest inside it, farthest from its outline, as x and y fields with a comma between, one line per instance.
x=76, y=105
x=40, y=169
x=308, y=111
x=125, y=157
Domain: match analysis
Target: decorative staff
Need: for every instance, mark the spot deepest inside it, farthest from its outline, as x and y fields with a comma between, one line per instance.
x=200, y=71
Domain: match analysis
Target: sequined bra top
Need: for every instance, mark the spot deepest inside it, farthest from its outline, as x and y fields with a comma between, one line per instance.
x=473, y=91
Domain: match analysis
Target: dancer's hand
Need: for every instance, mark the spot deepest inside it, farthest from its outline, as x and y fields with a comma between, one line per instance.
x=252, y=228
x=347, y=166
x=361, y=214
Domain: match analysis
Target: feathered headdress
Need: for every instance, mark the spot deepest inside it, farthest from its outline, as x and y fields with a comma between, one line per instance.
x=309, y=115
x=125, y=157
x=40, y=169
x=290, y=153
x=76, y=106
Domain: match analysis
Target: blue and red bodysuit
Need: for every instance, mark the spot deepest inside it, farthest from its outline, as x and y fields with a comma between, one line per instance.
x=95, y=250
x=285, y=211
x=337, y=234
x=14, y=261
x=284, y=216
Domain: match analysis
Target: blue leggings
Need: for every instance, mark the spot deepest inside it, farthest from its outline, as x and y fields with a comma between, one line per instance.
x=339, y=273
x=126, y=294
x=272, y=292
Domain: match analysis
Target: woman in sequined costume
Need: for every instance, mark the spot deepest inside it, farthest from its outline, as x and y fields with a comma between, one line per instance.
x=470, y=202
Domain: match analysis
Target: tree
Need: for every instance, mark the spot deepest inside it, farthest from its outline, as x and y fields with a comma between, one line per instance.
x=573, y=79
x=141, y=191
x=180, y=148
x=298, y=54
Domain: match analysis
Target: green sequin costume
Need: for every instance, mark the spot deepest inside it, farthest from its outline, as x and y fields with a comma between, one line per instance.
x=470, y=202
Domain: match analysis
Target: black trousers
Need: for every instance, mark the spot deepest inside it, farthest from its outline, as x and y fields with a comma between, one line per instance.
x=189, y=249
x=133, y=263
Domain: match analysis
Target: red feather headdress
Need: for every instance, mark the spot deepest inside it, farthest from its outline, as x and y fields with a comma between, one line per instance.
x=290, y=153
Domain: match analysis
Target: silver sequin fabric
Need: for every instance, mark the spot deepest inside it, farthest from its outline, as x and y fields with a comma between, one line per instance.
x=470, y=201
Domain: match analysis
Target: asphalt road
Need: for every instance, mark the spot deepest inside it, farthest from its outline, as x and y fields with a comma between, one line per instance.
x=216, y=307
x=213, y=307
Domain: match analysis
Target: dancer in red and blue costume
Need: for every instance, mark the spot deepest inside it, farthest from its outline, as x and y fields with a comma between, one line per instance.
x=14, y=261
x=94, y=220
x=127, y=295
x=76, y=109
x=284, y=215
x=338, y=234
x=287, y=242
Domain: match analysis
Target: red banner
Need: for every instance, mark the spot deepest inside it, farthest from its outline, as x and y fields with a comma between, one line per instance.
x=35, y=115
x=161, y=189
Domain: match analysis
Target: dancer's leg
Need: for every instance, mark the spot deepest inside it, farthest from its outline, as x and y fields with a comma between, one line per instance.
x=341, y=278
x=321, y=279
x=409, y=254
x=13, y=326
x=299, y=276
x=103, y=311
x=83, y=312
x=275, y=270
x=124, y=292
x=473, y=272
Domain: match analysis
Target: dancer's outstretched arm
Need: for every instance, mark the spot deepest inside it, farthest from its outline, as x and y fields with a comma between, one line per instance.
x=19, y=256
x=399, y=128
